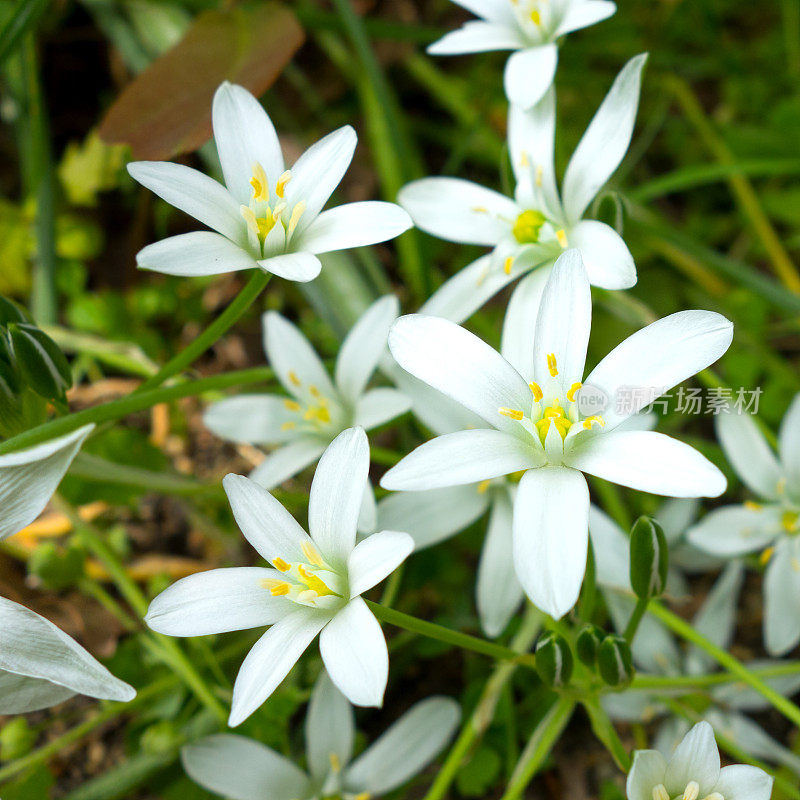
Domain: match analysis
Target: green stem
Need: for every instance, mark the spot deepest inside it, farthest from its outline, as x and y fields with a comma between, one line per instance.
x=605, y=731
x=539, y=746
x=442, y=634
x=20, y=20
x=693, y=683
x=215, y=331
x=726, y=660
x=636, y=617
x=132, y=403
x=484, y=712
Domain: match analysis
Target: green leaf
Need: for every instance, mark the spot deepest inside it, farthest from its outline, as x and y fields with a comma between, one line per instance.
x=478, y=775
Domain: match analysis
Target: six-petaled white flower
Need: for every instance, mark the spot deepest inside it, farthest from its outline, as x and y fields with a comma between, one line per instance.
x=535, y=420
x=693, y=773
x=532, y=28
x=318, y=409
x=314, y=584
x=243, y=769
x=772, y=525
x=531, y=230
x=265, y=216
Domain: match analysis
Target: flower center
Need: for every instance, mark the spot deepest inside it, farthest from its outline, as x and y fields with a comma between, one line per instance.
x=310, y=583
x=691, y=792
x=269, y=219
x=314, y=413
x=531, y=14
x=527, y=226
x=552, y=408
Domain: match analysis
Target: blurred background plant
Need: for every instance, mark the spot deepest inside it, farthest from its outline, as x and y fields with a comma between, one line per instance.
x=707, y=197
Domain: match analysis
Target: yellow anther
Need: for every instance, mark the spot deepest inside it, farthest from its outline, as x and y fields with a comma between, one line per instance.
x=765, y=556
x=276, y=588
x=291, y=405
x=483, y=486
x=312, y=554
x=753, y=506
x=576, y=387
x=660, y=792
x=781, y=487
x=297, y=212
x=288, y=426
x=524, y=159
x=789, y=521
x=280, y=564
x=280, y=188
x=552, y=365
x=259, y=183
x=480, y=209
x=561, y=235
x=691, y=791
x=362, y=796
x=336, y=765
x=509, y=262
x=536, y=17
x=594, y=420
x=536, y=390
x=293, y=379
x=511, y=413
x=539, y=174
x=314, y=391
x=313, y=582
x=278, y=210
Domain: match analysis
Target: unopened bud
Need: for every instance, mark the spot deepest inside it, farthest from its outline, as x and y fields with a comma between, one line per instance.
x=554, y=660
x=649, y=558
x=588, y=643
x=614, y=661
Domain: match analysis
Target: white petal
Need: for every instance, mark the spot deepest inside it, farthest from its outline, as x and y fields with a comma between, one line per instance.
x=29, y=477
x=477, y=37
x=747, y=450
x=695, y=759
x=379, y=406
x=318, y=172
x=244, y=136
x=354, y=225
x=265, y=523
x=20, y=694
x=459, y=458
x=529, y=74
x=648, y=461
x=646, y=773
x=217, y=601
x=789, y=443
x=406, y=748
x=499, y=593
x=198, y=195
x=336, y=494
x=605, y=142
x=363, y=347
x=355, y=655
x=611, y=549
x=609, y=263
x=434, y=515
x=583, y=14
x=459, y=297
x=368, y=513
x=270, y=660
x=377, y=557
x=301, y=267
x=197, y=253
x=460, y=365
x=782, y=598
x=243, y=769
x=736, y=530
x=251, y=419
x=288, y=461
x=458, y=210
x=659, y=357
x=676, y=516
x=519, y=325
x=330, y=728
x=32, y=646
x=743, y=782
x=551, y=537
x=564, y=321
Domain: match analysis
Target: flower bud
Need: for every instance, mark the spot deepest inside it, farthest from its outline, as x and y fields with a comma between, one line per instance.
x=553, y=660
x=41, y=364
x=649, y=558
x=588, y=643
x=614, y=661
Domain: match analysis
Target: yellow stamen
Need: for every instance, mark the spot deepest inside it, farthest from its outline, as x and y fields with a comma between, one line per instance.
x=314, y=391
x=259, y=183
x=276, y=588
x=313, y=582
x=363, y=796
x=249, y=218
x=539, y=173
x=280, y=188
x=552, y=365
x=524, y=159
x=536, y=17
x=483, y=486
x=288, y=426
x=297, y=212
x=587, y=423
x=753, y=506
x=276, y=214
x=509, y=262
x=511, y=413
x=795, y=564
x=280, y=564
x=765, y=556
x=561, y=235
x=572, y=390
x=660, y=792
x=336, y=765
x=536, y=390
x=480, y=209
x=527, y=226
x=312, y=554
x=789, y=521
x=692, y=791
x=293, y=379
x=291, y=405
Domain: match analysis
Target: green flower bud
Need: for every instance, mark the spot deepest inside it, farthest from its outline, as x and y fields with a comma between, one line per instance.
x=553, y=660
x=42, y=365
x=649, y=558
x=588, y=643
x=614, y=661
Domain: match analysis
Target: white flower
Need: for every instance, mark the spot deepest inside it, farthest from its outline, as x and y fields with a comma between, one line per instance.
x=535, y=420
x=531, y=230
x=529, y=27
x=693, y=773
x=265, y=216
x=41, y=666
x=735, y=530
x=314, y=585
x=318, y=409
x=243, y=769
